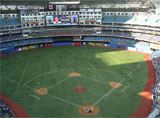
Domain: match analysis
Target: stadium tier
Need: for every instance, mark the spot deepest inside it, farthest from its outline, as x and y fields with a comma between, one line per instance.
x=43, y=2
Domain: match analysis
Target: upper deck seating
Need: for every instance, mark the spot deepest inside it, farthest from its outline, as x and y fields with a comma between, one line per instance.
x=10, y=21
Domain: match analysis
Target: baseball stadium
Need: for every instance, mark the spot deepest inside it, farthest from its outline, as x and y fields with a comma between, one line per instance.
x=80, y=59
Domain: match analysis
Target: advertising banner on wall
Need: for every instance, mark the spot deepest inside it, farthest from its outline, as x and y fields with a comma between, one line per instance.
x=31, y=22
x=77, y=43
x=26, y=48
x=87, y=20
x=155, y=46
x=49, y=45
x=96, y=44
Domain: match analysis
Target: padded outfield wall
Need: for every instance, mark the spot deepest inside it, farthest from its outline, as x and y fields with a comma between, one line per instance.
x=125, y=46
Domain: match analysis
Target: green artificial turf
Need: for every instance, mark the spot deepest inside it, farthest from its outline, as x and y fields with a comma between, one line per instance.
x=22, y=73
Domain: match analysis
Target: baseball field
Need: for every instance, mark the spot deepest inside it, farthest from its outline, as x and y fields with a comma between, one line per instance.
x=75, y=81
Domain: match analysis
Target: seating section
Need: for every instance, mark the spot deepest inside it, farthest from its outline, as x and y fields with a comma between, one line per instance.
x=135, y=35
x=123, y=40
x=5, y=111
x=56, y=33
x=156, y=63
x=13, y=21
x=10, y=21
x=118, y=33
x=156, y=89
x=18, y=42
x=95, y=38
x=2, y=22
x=154, y=113
x=32, y=41
x=113, y=42
x=10, y=37
x=143, y=20
x=117, y=19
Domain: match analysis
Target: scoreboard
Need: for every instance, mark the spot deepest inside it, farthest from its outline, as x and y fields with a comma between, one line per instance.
x=59, y=20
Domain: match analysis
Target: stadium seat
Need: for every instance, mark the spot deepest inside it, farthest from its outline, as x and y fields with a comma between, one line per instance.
x=13, y=21
x=2, y=22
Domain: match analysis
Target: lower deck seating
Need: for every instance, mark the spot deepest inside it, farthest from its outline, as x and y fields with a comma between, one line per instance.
x=10, y=37
x=156, y=89
x=24, y=42
x=5, y=111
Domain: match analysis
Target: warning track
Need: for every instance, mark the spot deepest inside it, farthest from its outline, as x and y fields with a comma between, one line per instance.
x=146, y=104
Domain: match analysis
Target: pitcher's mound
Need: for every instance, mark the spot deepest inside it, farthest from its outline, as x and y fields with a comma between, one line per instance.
x=115, y=84
x=80, y=89
x=88, y=110
x=41, y=91
x=74, y=74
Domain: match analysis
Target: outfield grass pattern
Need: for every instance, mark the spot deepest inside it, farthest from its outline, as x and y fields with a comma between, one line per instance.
x=25, y=72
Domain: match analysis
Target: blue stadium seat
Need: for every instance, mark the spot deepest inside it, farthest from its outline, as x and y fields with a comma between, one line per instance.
x=15, y=43
x=2, y=22
x=13, y=21
x=108, y=19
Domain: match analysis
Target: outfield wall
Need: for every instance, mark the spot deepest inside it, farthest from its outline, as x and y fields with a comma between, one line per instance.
x=125, y=46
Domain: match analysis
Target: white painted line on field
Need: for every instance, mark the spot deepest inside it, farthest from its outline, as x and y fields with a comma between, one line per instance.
x=30, y=87
x=11, y=80
x=59, y=82
x=63, y=100
x=56, y=97
x=42, y=75
x=50, y=66
x=35, y=97
x=67, y=69
x=23, y=73
x=113, y=89
x=107, y=94
x=24, y=69
x=35, y=78
x=139, y=65
x=125, y=88
x=104, y=71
